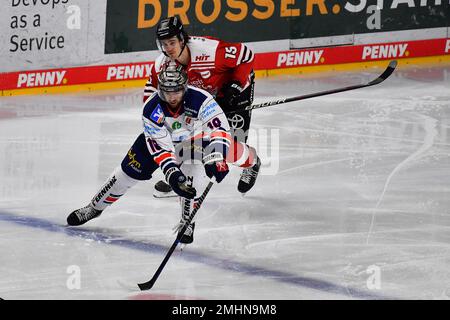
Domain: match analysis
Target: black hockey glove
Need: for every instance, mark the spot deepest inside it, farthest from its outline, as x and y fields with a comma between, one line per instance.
x=215, y=166
x=178, y=182
x=231, y=92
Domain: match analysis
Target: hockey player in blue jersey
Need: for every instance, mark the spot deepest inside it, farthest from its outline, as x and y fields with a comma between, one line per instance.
x=182, y=125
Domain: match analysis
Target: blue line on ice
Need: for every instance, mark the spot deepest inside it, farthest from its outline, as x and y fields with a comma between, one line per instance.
x=210, y=261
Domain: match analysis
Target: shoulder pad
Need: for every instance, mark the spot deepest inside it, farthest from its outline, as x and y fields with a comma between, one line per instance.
x=193, y=101
x=202, y=50
x=159, y=62
x=154, y=111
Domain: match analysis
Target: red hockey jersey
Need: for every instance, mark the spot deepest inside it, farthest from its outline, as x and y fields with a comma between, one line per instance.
x=213, y=63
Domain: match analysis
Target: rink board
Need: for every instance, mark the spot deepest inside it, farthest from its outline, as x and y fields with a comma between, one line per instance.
x=341, y=58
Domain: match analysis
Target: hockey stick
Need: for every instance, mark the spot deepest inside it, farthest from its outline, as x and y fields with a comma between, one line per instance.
x=149, y=284
x=389, y=70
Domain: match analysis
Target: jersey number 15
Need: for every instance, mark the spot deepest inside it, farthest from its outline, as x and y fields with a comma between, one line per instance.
x=230, y=52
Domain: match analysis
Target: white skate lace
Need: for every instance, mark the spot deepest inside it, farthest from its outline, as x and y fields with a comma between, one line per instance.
x=248, y=174
x=177, y=228
x=86, y=213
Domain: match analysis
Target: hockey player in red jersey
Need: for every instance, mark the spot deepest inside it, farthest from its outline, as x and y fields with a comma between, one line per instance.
x=223, y=69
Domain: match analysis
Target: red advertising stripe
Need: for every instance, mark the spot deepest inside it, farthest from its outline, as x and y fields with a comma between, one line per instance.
x=74, y=76
x=263, y=61
x=350, y=54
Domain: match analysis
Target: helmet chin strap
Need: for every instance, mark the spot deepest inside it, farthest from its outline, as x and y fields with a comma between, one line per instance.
x=181, y=52
x=182, y=49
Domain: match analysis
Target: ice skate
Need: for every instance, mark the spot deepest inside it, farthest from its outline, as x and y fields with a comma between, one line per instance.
x=163, y=190
x=82, y=215
x=188, y=236
x=248, y=177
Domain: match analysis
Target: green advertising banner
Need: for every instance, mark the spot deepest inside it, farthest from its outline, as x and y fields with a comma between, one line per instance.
x=130, y=24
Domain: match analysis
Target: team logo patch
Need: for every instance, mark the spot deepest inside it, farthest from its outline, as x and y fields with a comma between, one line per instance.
x=222, y=166
x=205, y=74
x=176, y=125
x=157, y=115
x=236, y=122
x=133, y=162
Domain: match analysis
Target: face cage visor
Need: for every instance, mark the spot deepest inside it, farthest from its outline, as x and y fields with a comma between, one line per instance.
x=165, y=90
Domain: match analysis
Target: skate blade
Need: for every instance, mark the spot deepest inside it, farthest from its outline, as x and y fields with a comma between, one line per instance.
x=160, y=195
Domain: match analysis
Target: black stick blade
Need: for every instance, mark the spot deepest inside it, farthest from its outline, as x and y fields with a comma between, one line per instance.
x=146, y=285
x=386, y=74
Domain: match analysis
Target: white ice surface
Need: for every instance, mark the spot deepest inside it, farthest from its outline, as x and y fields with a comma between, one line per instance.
x=351, y=182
